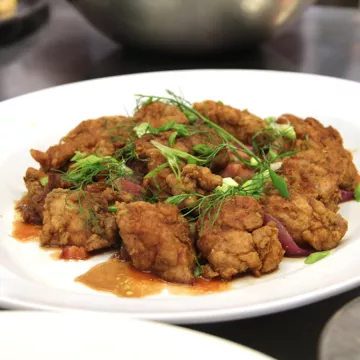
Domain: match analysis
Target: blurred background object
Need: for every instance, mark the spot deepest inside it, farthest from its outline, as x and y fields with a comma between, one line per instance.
x=21, y=18
x=350, y=3
x=7, y=8
x=188, y=26
x=340, y=338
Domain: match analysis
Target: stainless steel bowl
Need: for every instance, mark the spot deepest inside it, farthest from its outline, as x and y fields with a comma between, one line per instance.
x=195, y=26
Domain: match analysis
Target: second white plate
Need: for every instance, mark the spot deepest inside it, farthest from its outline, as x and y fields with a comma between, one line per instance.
x=59, y=336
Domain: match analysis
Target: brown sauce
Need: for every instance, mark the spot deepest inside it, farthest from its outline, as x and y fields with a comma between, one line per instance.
x=25, y=232
x=56, y=255
x=121, y=279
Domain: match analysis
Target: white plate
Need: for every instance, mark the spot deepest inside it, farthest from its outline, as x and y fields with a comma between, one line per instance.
x=29, y=278
x=59, y=336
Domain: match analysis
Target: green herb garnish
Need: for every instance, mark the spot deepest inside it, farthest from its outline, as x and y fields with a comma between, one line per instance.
x=285, y=130
x=85, y=169
x=198, y=269
x=203, y=149
x=44, y=181
x=154, y=172
x=142, y=129
x=228, y=141
x=357, y=193
x=173, y=156
x=209, y=206
x=172, y=139
x=78, y=156
x=280, y=184
x=100, y=171
x=314, y=257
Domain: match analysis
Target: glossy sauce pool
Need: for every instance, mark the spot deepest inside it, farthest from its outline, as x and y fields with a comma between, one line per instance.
x=121, y=279
x=25, y=232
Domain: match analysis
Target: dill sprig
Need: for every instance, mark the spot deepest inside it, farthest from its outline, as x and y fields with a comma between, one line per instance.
x=146, y=128
x=91, y=169
x=272, y=146
x=193, y=115
x=209, y=206
x=85, y=206
x=198, y=268
x=126, y=153
x=174, y=157
x=87, y=167
x=261, y=159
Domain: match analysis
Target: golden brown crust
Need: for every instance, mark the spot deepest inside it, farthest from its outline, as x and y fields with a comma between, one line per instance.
x=238, y=241
x=64, y=225
x=90, y=136
x=158, y=114
x=307, y=220
x=157, y=239
x=242, y=124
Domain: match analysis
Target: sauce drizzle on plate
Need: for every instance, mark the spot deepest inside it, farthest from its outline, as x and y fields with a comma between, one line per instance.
x=121, y=279
x=25, y=232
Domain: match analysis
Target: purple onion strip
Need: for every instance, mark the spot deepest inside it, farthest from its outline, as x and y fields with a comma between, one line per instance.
x=286, y=240
x=346, y=196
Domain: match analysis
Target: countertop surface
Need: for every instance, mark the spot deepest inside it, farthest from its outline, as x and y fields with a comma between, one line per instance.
x=324, y=40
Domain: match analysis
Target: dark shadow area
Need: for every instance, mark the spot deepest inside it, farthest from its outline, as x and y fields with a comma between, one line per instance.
x=25, y=23
x=288, y=335
x=128, y=60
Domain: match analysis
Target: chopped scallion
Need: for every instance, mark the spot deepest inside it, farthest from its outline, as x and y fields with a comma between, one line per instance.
x=314, y=257
x=44, y=181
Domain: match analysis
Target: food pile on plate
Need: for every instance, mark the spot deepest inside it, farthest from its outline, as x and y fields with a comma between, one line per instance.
x=185, y=190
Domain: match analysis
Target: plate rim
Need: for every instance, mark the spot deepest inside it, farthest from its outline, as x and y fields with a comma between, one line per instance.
x=209, y=315
x=124, y=321
x=114, y=77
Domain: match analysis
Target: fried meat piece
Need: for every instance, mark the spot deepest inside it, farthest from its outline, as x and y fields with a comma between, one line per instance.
x=158, y=114
x=238, y=241
x=157, y=183
x=327, y=143
x=268, y=247
x=237, y=171
x=204, y=135
x=194, y=179
x=310, y=132
x=74, y=219
x=242, y=124
x=90, y=136
x=31, y=207
x=351, y=177
x=307, y=220
x=157, y=239
x=310, y=173
x=152, y=158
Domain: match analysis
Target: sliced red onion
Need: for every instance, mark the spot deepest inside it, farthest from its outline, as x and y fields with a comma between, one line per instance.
x=131, y=187
x=346, y=195
x=286, y=240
